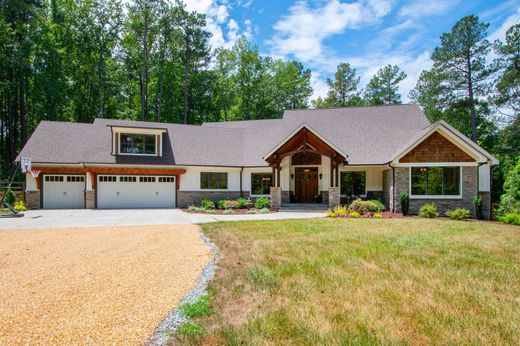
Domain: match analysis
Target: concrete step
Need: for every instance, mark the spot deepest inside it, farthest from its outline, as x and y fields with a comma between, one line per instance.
x=304, y=207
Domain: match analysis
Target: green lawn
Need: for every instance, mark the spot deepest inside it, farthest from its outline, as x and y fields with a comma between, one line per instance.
x=345, y=281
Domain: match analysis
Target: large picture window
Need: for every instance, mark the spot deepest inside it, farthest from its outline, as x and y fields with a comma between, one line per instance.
x=261, y=183
x=131, y=143
x=353, y=183
x=435, y=181
x=213, y=181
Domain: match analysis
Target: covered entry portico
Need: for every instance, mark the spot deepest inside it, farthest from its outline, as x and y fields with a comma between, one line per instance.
x=307, y=156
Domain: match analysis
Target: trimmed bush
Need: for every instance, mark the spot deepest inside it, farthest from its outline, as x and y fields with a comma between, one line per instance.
x=340, y=210
x=404, y=199
x=355, y=215
x=428, y=211
x=458, y=214
x=230, y=205
x=262, y=202
x=363, y=206
x=263, y=211
x=477, y=204
x=242, y=203
x=331, y=214
x=379, y=204
x=222, y=203
x=229, y=211
x=252, y=211
x=207, y=204
x=510, y=218
x=377, y=216
x=20, y=206
x=10, y=197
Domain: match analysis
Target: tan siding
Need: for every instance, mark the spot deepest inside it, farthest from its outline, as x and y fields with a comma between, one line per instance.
x=436, y=148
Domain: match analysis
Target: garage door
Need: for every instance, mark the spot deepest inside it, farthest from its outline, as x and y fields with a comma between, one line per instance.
x=132, y=191
x=63, y=191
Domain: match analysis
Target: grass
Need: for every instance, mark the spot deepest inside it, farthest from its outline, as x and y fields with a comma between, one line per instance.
x=201, y=307
x=351, y=282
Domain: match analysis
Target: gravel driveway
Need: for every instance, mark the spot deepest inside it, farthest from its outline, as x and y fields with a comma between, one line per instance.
x=98, y=285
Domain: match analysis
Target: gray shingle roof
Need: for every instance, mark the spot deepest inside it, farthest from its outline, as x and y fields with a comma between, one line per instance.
x=369, y=135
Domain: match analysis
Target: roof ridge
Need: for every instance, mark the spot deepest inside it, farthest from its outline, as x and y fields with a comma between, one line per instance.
x=350, y=107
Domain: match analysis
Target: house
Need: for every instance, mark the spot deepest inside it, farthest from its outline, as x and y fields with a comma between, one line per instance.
x=308, y=156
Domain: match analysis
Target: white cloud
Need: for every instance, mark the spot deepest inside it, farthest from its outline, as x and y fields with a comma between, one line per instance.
x=500, y=33
x=420, y=8
x=301, y=33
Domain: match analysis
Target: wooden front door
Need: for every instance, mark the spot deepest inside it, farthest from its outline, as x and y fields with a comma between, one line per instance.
x=306, y=184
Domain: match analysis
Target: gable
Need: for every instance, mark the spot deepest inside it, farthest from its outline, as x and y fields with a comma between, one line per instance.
x=436, y=148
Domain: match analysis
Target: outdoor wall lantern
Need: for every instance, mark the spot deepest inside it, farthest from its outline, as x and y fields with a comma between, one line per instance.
x=321, y=176
x=292, y=176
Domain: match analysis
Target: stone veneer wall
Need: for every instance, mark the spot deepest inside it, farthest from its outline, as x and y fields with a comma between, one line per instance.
x=469, y=188
x=187, y=198
x=90, y=199
x=32, y=199
x=387, y=189
x=286, y=197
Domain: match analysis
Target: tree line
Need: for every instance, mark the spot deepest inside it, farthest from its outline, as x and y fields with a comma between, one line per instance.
x=150, y=60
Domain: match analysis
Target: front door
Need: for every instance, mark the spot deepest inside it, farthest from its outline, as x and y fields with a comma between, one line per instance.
x=306, y=184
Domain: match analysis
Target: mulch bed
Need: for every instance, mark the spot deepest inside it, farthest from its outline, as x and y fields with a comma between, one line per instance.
x=221, y=212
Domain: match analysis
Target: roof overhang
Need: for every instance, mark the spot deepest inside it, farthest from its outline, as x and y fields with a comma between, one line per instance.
x=137, y=130
x=297, y=131
x=474, y=150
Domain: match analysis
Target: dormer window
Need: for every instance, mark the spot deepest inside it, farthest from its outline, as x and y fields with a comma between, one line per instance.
x=137, y=141
x=132, y=143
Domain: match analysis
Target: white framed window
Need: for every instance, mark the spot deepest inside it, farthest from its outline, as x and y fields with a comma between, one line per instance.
x=213, y=180
x=438, y=182
x=261, y=183
x=353, y=183
x=137, y=144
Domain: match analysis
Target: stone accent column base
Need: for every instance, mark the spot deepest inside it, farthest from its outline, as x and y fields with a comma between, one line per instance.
x=334, y=196
x=276, y=198
x=32, y=199
x=90, y=199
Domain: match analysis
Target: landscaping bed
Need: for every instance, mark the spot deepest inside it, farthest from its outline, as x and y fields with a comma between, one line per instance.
x=225, y=212
x=349, y=281
x=239, y=206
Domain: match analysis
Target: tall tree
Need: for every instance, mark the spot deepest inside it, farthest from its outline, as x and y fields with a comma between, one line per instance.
x=343, y=88
x=508, y=82
x=461, y=60
x=383, y=88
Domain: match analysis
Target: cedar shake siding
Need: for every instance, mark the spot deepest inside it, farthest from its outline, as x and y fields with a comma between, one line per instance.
x=436, y=148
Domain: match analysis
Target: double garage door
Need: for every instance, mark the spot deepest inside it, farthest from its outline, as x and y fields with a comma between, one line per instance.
x=131, y=191
x=112, y=191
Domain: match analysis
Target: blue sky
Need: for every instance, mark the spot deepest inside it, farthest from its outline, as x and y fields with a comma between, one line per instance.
x=366, y=33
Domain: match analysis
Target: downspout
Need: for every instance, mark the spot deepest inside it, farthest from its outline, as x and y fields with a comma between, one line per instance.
x=478, y=183
x=241, y=191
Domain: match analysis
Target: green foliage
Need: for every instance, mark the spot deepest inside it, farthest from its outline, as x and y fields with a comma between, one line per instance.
x=478, y=205
x=458, y=214
x=379, y=204
x=342, y=88
x=241, y=203
x=383, y=88
x=207, y=204
x=20, y=206
x=262, y=202
x=263, y=211
x=363, y=206
x=404, y=200
x=10, y=197
x=510, y=218
x=508, y=81
x=222, y=203
x=428, y=211
x=229, y=211
x=200, y=307
x=252, y=211
x=230, y=204
x=196, y=209
x=510, y=200
x=190, y=329
x=262, y=279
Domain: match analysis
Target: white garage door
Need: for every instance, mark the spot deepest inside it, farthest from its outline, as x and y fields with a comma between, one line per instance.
x=63, y=191
x=132, y=191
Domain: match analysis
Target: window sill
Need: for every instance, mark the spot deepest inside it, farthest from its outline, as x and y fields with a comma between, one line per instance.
x=435, y=197
x=135, y=154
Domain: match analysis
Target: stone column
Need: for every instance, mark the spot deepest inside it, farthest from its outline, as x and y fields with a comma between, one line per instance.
x=276, y=197
x=90, y=199
x=32, y=199
x=334, y=196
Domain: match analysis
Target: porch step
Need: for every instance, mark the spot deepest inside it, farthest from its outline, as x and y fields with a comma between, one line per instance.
x=304, y=207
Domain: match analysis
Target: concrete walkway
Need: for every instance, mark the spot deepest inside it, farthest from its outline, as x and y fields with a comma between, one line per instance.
x=97, y=217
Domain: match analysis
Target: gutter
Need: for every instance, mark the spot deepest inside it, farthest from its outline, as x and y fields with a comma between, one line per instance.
x=241, y=190
x=393, y=185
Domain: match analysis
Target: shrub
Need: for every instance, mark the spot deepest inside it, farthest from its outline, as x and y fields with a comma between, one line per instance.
x=222, y=203
x=355, y=215
x=10, y=197
x=477, y=204
x=458, y=214
x=207, y=204
x=510, y=218
x=263, y=211
x=242, y=203
x=229, y=211
x=230, y=205
x=363, y=206
x=209, y=211
x=378, y=204
x=340, y=210
x=404, y=199
x=20, y=206
x=252, y=211
x=331, y=214
x=510, y=200
x=377, y=216
x=262, y=202
x=428, y=211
